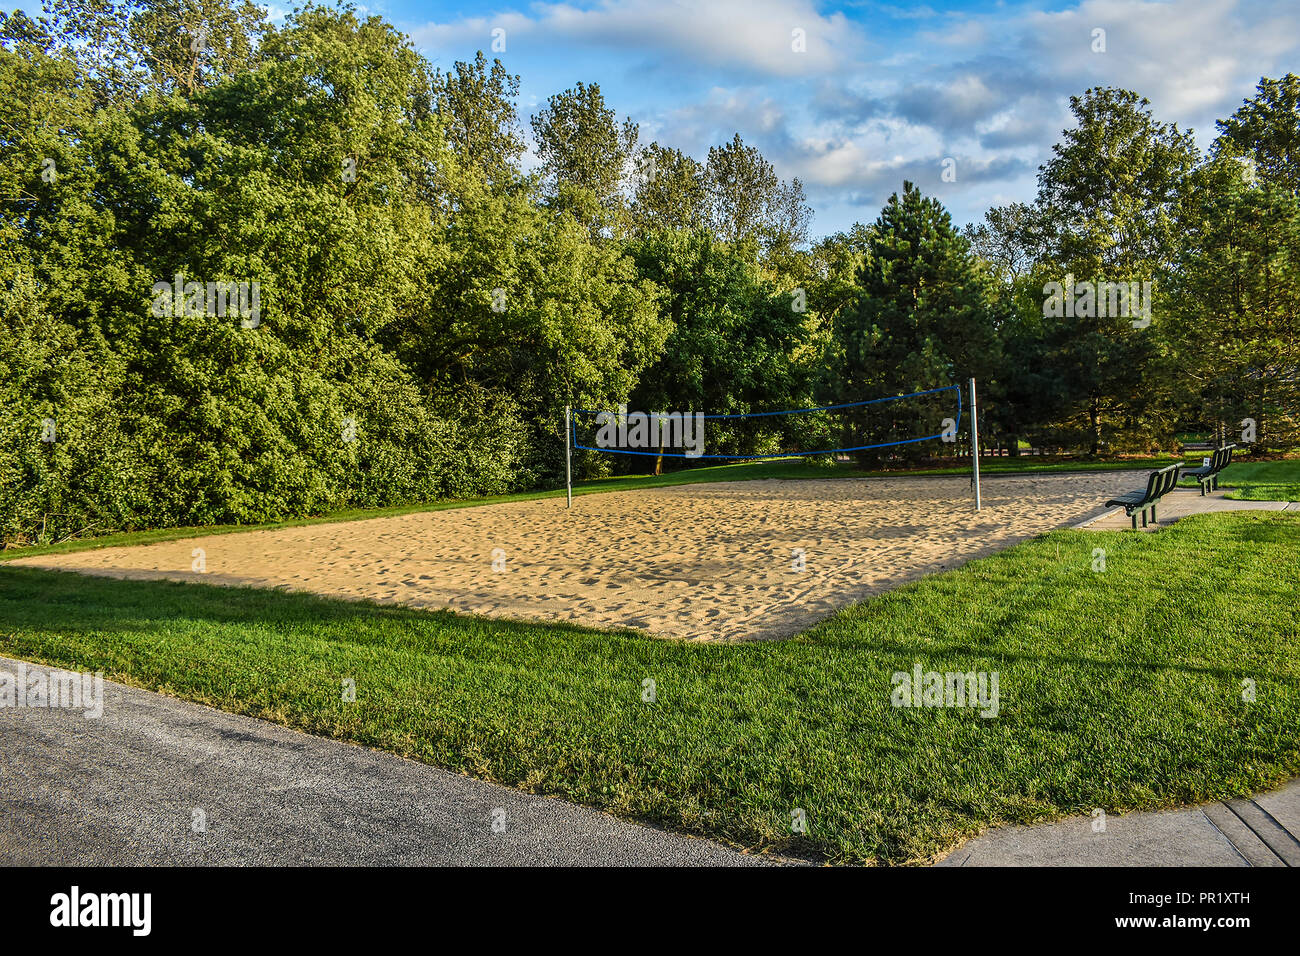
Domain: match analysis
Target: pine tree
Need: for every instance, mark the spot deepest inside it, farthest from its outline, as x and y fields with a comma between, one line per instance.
x=923, y=320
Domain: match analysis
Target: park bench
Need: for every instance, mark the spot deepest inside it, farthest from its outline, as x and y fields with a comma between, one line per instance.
x=1159, y=484
x=1207, y=476
x=1187, y=446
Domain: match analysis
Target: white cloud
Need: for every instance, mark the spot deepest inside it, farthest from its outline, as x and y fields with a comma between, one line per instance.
x=746, y=35
x=1193, y=59
x=873, y=101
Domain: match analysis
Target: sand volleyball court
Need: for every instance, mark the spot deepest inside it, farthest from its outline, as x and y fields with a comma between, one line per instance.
x=703, y=562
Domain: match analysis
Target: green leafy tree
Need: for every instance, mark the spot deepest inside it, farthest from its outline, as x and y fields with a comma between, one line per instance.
x=1235, y=325
x=186, y=45
x=923, y=320
x=1266, y=130
x=309, y=174
x=749, y=206
x=731, y=348
x=1106, y=199
x=669, y=191
x=477, y=107
x=1010, y=239
x=585, y=153
x=833, y=266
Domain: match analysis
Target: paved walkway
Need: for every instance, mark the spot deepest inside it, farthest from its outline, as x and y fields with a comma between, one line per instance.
x=1261, y=831
x=1180, y=503
x=123, y=790
x=127, y=788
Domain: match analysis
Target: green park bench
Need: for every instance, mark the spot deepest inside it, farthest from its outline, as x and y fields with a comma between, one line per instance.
x=1159, y=484
x=1207, y=476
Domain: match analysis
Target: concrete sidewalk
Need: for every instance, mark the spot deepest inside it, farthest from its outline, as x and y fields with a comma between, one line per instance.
x=1180, y=503
x=129, y=789
x=1260, y=831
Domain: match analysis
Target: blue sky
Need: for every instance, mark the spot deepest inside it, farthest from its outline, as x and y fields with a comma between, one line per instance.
x=883, y=91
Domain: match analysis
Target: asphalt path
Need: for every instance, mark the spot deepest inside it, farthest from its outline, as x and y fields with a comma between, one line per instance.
x=158, y=781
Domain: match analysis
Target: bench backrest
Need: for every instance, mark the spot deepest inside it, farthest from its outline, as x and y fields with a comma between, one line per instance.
x=1153, y=485
x=1226, y=459
x=1171, y=478
x=1162, y=482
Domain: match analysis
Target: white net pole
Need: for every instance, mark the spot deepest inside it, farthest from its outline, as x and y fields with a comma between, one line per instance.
x=568, y=450
x=975, y=444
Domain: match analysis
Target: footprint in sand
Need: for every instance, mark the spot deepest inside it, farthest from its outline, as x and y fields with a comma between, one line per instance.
x=696, y=562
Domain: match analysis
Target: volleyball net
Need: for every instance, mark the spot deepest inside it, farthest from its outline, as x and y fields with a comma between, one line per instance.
x=934, y=414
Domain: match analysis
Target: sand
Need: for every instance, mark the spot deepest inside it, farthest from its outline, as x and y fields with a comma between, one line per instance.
x=708, y=562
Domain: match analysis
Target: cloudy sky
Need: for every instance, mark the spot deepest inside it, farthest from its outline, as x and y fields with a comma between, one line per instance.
x=880, y=92
x=855, y=96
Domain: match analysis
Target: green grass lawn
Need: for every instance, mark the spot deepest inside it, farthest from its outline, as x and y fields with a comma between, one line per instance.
x=785, y=468
x=1263, y=480
x=1120, y=690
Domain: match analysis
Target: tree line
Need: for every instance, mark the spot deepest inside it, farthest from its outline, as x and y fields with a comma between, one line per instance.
x=425, y=308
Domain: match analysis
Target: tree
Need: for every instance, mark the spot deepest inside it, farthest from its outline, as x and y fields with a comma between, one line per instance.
x=1010, y=239
x=584, y=153
x=132, y=47
x=742, y=185
x=186, y=45
x=1235, y=327
x=1111, y=184
x=834, y=264
x=1266, y=130
x=923, y=320
x=752, y=209
x=670, y=191
x=477, y=108
x=195, y=415
x=529, y=306
x=1108, y=196
x=733, y=339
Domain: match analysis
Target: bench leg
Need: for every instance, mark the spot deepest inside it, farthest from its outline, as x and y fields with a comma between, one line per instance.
x=1134, y=516
x=1144, y=517
x=1153, y=513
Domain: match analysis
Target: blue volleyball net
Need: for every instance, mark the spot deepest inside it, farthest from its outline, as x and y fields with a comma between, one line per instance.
x=896, y=420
